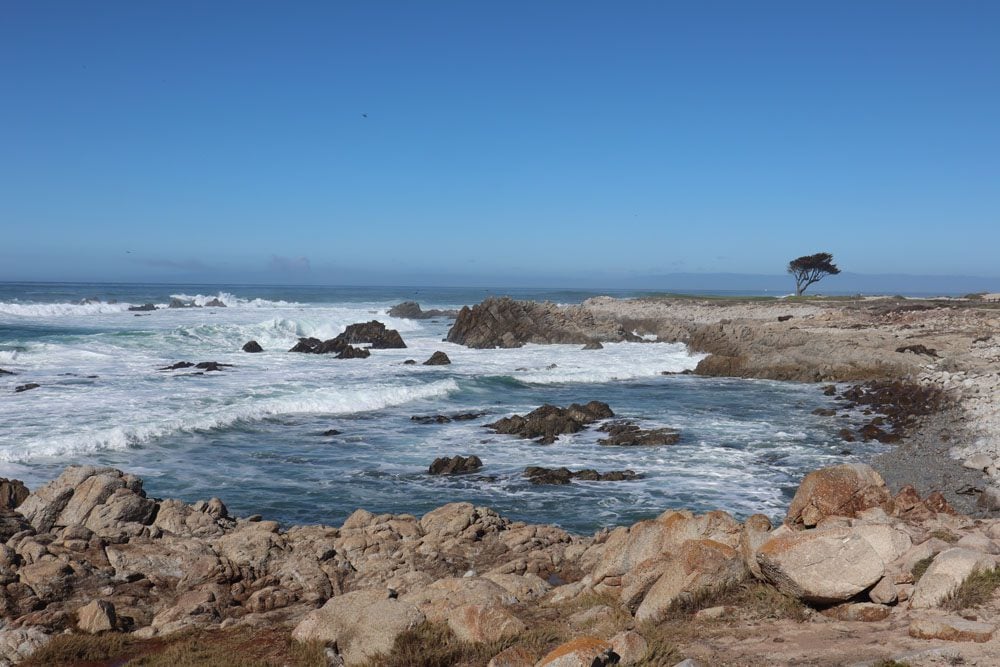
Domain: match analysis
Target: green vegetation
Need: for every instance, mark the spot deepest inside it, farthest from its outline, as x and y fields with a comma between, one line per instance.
x=753, y=599
x=920, y=567
x=975, y=591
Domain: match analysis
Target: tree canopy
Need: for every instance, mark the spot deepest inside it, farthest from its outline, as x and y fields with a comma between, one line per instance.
x=809, y=269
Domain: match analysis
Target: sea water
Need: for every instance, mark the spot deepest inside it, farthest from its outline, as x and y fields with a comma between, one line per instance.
x=253, y=434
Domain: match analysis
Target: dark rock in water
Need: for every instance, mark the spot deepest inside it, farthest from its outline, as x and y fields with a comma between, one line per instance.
x=444, y=419
x=438, y=359
x=455, y=465
x=430, y=419
x=824, y=412
x=628, y=434
x=872, y=431
x=351, y=352
x=215, y=303
x=784, y=318
x=538, y=475
x=846, y=434
x=25, y=387
x=410, y=362
x=3, y=372
x=593, y=345
x=549, y=421
x=143, y=308
x=252, y=346
x=203, y=365
x=12, y=493
x=919, y=349
x=179, y=365
x=331, y=432
x=177, y=303
x=211, y=366
x=830, y=390
x=317, y=346
x=410, y=310
x=372, y=333
x=504, y=322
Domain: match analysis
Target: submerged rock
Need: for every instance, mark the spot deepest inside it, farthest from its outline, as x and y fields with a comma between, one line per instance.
x=549, y=421
x=26, y=387
x=143, y=308
x=539, y=475
x=252, y=346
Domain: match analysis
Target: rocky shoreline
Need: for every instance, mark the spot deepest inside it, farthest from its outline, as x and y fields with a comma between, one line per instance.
x=888, y=560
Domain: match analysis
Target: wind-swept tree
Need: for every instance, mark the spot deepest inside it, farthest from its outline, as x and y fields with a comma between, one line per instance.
x=809, y=269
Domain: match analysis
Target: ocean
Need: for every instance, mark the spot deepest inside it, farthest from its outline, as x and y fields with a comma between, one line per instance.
x=254, y=433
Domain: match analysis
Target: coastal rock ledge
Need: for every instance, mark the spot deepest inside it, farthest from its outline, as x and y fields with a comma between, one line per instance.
x=89, y=552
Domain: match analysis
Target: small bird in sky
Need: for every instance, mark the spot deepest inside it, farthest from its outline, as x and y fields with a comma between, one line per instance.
x=364, y=115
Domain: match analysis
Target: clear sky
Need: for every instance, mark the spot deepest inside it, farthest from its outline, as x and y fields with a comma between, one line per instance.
x=381, y=141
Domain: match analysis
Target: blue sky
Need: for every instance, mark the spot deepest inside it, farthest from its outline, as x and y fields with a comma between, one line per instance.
x=562, y=142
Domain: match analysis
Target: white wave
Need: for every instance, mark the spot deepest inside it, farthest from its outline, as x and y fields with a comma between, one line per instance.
x=333, y=401
x=60, y=309
x=231, y=301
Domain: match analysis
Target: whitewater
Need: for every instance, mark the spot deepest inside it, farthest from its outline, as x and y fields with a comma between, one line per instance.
x=258, y=433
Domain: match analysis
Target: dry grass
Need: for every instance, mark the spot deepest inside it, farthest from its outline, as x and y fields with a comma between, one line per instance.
x=753, y=600
x=920, y=567
x=435, y=645
x=238, y=647
x=975, y=591
x=945, y=536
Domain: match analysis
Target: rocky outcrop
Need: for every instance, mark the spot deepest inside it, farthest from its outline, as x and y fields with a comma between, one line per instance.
x=12, y=493
x=252, y=347
x=629, y=434
x=503, y=322
x=146, y=307
x=372, y=333
x=410, y=310
x=549, y=421
x=438, y=359
x=335, y=346
x=538, y=475
x=456, y=465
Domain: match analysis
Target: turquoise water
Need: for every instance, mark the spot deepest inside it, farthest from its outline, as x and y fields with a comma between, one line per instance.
x=252, y=434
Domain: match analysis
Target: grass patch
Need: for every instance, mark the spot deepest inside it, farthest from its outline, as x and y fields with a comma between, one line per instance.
x=975, y=591
x=237, y=647
x=753, y=600
x=891, y=663
x=920, y=567
x=435, y=645
x=945, y=535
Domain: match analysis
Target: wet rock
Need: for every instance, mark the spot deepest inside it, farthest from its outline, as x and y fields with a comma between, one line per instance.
x=252, y=346
x=593, y=345
x=629, y=434
x=26, y=387
x=824, y=412
x=351, y=352
x=12, y=493
x=178, y=366
x=410, y=362
x=330, y=432
x=549, y=421
x=410, y=310
x=209, y=366
x=842, y=490
x=6, y=372
x=438, y=359
x=539, y=475
x=215, y=303
x=372, y=333
x=177, y=303
x=445, y=419
x=455, y=465
x=143, y=308
x=784, y=318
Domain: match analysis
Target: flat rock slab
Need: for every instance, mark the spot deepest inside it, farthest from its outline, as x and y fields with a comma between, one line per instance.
x=952, y=629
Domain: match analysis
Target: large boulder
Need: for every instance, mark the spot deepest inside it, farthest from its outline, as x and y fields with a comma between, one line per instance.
x=372, y=333
x=581, y=652
x=478, y=623
x=946, y=573
x=455, y=465
x=411, y=310
x=440, y=599
x=697, y=566
x=12, y=493
x=842, y=490
x=362, y=624
x=822, y=566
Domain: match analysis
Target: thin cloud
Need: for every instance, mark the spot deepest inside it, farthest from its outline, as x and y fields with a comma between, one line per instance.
x=289, y=264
